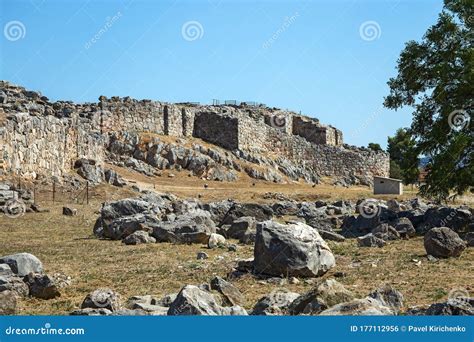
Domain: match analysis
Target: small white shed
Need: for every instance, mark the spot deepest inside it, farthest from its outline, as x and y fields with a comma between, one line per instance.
x=387, y=186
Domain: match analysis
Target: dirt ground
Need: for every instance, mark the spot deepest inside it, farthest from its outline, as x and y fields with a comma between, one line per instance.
x=66, y=246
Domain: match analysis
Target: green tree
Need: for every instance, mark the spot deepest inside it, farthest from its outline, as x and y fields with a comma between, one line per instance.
x=436, y=78
x=395, y=171
x=374, y=147
x=403, y=152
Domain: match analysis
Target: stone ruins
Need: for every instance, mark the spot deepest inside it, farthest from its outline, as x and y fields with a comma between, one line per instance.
x=39, y=137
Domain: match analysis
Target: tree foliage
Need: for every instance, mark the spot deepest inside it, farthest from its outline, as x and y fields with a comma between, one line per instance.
x=403, y=153
x=374, y=147
x=435, y=78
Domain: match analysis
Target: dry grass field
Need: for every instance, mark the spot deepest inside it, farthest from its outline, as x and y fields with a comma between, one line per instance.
x=66, y=245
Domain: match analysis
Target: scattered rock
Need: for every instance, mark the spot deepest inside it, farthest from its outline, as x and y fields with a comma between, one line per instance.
x=231, y=294
x=193, y=301
x=443, y=242
x=102, y=299
x=275, y=303
x=23, y=263
x=68, y=211
x=215, y=240
x=202, y=256
x=8, y=303
x=358, y=307
x=324, y=295
x=291, y=250
x=138, y=237
x=14, y=284
x=370, y=240
x=42, y=286
x=404, y=227
x=389, y=297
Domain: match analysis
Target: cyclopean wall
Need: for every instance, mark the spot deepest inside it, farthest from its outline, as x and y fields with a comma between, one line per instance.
x=41, y=137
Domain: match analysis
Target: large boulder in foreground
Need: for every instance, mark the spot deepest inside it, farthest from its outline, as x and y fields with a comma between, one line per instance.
x=191, y=300
x=22, y=263
x=359, y=307
x=443, y=242
x=291, y=250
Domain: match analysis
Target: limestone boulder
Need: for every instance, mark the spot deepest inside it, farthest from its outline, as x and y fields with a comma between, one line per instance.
x=8, y=303
x=42, y=286
x=324, y=295
x=443, y=242
x=138, y=237
x=275, y=303
x=291, y=250
x=22, y=264
x=191, y=300
x=102, y=299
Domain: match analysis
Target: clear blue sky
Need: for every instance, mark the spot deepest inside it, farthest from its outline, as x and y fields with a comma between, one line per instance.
x=317, y=63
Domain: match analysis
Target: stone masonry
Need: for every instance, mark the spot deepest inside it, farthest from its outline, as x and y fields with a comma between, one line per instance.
x=39, y=137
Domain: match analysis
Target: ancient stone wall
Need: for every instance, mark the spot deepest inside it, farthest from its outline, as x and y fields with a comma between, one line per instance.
x=316, y=133
x=216, y=128
x=38, y=136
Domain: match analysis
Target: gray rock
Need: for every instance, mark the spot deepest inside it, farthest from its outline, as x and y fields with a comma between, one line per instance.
x=193, y=301
x=455, y=307
x=285, y=208
x=195, y=227
x=242, y=226
x=456, y=219
x=8, y=303
x=275, y=303
x=260, y=212
x=443, y=242
x=389, y=297
x=138, y=237
x=91, y=312
x=202, y=256
x=42, y=286
x=231, y=294
x=102, y=299
x=215, y=240
x=404, y=227
x=218, y=210
x=89, y=170
x=326, y=224
x=14, y=284
x=5, y=271
x=469, y=238
x=386, y=232
x=68, y=211
x=324, y=295
x=114, y=178
x=291, y=250
x=370, y=240
x=22, y=263
x=358, y=307
x=331, y=236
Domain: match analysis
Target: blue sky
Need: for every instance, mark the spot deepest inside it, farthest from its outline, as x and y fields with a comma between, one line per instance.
x=311, y=56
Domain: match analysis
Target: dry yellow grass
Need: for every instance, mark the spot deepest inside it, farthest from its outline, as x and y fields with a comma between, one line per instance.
x=66, y=245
